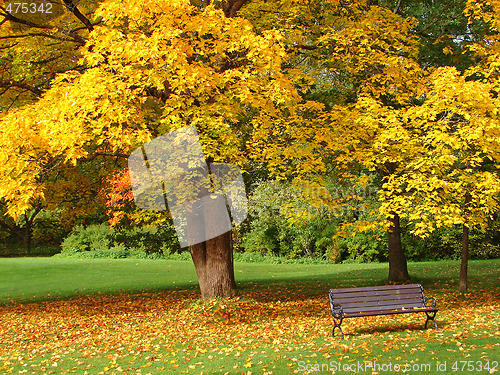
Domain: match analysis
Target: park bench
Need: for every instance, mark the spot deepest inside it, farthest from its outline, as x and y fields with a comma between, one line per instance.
x=380, y=300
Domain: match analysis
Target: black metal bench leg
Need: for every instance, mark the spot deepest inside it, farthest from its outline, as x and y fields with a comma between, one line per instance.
x=430, y=317
x=337, y=325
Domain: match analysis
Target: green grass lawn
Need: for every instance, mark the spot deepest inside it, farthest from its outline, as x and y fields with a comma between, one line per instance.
x=61, y=315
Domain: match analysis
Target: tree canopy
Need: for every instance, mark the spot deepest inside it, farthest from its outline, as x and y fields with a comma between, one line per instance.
x=396, y=95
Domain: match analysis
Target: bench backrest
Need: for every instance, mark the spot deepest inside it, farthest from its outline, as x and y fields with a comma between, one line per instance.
x=377, y=300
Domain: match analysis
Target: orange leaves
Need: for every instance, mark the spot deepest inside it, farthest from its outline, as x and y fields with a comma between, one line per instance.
x=167, y=331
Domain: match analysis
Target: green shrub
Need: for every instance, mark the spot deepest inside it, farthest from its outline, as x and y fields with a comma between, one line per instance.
x=90, y=238
x=105, y=242
x=446, y=243
x=270, y=231
x=248, y=257
x=485, y=245
x=443, y=243
x=149, y=239
x=362, y=247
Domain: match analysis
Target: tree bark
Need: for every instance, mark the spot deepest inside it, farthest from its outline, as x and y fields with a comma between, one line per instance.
x=465, y=248
x=29, y=219
x=213, y=260
x=398, y=270
x=231, y=7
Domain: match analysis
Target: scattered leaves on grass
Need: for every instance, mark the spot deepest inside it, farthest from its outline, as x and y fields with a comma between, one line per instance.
x=258, y=332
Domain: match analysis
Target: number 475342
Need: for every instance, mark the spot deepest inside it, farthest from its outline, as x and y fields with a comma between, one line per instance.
x=28, y=8
x=463, y=366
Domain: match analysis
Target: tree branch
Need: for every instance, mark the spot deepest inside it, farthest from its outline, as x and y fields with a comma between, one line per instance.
x=231, y=7
x=35, y=212
x=14, y=228
x=303, y=47
x=73, y=9
x=63, y=39
x=104, y=153
x=77, y=38
x=50, y=59
x=396, y=9
x=485, y=161
x=19, y=84
x=438, y=18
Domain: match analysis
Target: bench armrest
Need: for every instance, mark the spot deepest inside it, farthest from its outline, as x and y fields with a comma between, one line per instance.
x=430, y=299
x=337, y=311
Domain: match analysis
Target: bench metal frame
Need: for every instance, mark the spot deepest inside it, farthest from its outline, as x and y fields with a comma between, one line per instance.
x=380, y=300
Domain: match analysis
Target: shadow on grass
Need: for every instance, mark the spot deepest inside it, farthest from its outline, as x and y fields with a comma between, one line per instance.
x=382, y=329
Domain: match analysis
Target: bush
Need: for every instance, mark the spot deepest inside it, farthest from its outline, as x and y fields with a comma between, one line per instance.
x=105, y=242
x=443, y=243
x=446, y=243
x=149, y=239
x=248, y=257
x=90, y=238
x=270, y=233
x=485, y=245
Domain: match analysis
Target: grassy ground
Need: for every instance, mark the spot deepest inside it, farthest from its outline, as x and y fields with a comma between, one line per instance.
x=144, y=316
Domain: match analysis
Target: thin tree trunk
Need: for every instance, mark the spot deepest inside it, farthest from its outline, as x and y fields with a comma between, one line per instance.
x=398, y=270
x=28, y=234
x=27, y=240
x=465, y=248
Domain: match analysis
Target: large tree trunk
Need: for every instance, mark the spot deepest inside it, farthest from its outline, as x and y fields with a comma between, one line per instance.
x=398, y=270
x=465, y=248
x=213, y=260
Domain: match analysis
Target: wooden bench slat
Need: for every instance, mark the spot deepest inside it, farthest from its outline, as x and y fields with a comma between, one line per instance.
x=379, y=296
x=375, y=288
x=387, y=312
x=406, y=303
x=376, y=293
x=374, y=309
x=406, y=297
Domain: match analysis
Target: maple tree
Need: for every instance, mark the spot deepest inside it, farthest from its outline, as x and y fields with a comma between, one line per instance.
x=150, y=67
x=452, y=176
x=34, y=47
